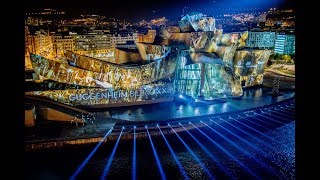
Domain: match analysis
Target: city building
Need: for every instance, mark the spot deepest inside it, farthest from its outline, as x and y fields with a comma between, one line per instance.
x=92, y=41
x=61, y=43
x=147, y=38
x=41, y=43
x=122, y=39
x=27, y=63
x=285, y=44
x=280, y=18
x=261, y=40
x=159, y=21
x=153, y=72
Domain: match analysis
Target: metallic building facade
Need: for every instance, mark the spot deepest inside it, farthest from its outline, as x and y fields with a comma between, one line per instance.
x=203, y=63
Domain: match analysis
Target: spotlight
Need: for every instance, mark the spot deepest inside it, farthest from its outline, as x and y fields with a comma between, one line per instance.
x=168, y=124
x=180, y=96
x=189, y=122
x=157, y=125
x=145, y=126
x=122, y=127
x=134, y=126
x=179, y=123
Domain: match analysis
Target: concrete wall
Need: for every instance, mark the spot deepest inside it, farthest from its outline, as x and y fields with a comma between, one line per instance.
x=54, y=115
x=29, y=117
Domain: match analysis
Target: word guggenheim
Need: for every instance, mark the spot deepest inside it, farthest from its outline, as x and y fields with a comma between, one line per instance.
x=110, y=94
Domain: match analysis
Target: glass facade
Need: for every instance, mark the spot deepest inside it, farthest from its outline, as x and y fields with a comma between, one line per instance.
x=285, y=44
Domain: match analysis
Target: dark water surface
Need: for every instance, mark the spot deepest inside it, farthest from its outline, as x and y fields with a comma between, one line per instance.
x=264, y=144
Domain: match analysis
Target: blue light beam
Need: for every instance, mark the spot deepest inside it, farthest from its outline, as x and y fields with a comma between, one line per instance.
x=227, y=153
x=277, y=116
x=243, y=140
x=174, y=156
x=270, y=118
x=254, y=122
x=209, y=154
x=249, y=134
x=134, y=156
x=265, y=122
x=285, y=113
x=194, y=156
x=106, y=169
x=75, y=174
x=163, y=177
x=259, y=132
x=292, y=113
x=289, y=109
x=243, y=150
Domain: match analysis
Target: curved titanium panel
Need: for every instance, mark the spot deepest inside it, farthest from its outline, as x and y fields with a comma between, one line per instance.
x=98, y=73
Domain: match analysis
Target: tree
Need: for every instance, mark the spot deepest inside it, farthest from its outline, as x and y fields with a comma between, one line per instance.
x=271, y=57
x=286, y=57
x=276, y=56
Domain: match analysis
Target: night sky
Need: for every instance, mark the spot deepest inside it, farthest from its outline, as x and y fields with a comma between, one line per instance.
x=138, y=9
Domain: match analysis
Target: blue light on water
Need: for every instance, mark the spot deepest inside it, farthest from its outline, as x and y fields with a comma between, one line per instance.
x=156, y=156
x=289, y=114
x=249, y=134
x=250, y=144
x=194, y=156
x=277, y=116
x=262, y=121
x=266, y=118
x=209, y=154
x=134, y=169
x=174, y=156
x=242, y=150
x=292, y=113
x=75, y=174
x=289, y=109
x=263, y=127
x=259, y=132
x=227, y=153
x=106, y=169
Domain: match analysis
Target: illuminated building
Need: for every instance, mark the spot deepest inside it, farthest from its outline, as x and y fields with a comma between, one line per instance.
x=27, y=64
x=92, y=41
x=41, y=43
x=46, y=12
x=202, y=64
x=62, y=43
x=109, y=84
x=122, y=39
x=285, y=44
x=280, y=17
x=159, y=21
x=147, y=38
x=261, y=40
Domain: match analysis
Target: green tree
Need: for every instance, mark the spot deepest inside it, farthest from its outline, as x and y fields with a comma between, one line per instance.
x=277, y=56
x=286, y=57
x=271, y=57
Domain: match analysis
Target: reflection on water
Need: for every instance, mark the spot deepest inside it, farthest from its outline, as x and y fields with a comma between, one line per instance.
x=252, y=97
x=60, y=163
